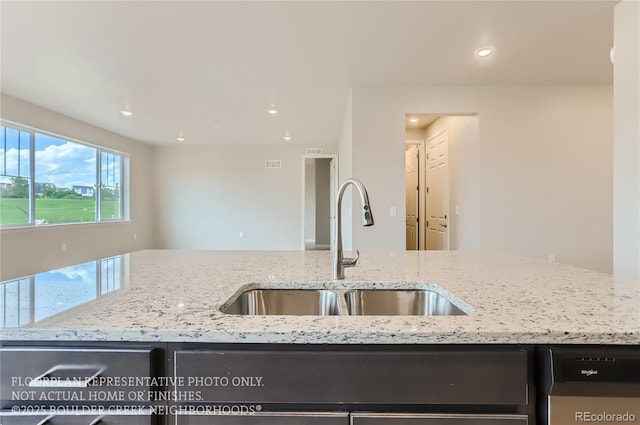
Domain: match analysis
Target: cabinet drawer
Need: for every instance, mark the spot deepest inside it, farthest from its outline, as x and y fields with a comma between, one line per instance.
x=7, y=418
x=73, y=376
x=416, y=419
x=280, y=418
x=349, y=377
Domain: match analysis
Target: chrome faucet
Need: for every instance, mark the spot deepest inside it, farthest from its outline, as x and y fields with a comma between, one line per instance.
x=339, y=262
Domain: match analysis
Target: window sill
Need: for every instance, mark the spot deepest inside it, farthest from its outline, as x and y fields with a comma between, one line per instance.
x=32, y=227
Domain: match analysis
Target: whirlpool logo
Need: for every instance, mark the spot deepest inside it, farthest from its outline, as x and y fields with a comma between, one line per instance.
x=588, y=372
x=605, y=417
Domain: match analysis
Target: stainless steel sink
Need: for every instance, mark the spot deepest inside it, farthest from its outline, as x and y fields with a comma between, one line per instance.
x=379, y=302
x=292, y=302
x=325, y=302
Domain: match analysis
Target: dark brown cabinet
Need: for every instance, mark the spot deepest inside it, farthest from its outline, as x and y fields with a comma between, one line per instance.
x=6, y=418
x=280, y=418
x=436, y=419
x=78, y=385
x=209, y=384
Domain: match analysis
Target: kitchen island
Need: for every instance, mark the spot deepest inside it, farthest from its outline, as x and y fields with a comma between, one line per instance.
x=176, y=295
x=140, y=339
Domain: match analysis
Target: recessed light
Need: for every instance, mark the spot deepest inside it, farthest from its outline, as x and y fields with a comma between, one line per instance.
x=180, y=138
x=272, y=109
x=413, y=120
x=484, y=52
x=126, y=113
x=286, y=136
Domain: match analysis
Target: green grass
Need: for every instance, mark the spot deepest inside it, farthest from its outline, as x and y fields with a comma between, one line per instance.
x=55, y=211
x=14, y=211
x=111, y=209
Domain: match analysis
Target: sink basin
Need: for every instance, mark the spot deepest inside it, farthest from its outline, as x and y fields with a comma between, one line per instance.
x=412, y=302
x=326, y=302
x=293, y=302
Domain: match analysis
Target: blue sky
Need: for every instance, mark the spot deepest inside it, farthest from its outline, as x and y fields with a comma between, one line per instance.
x=64, y=163
x=57, y=161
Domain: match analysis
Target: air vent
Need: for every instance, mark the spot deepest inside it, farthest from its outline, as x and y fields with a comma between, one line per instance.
x=314, y=150
x=273, y=163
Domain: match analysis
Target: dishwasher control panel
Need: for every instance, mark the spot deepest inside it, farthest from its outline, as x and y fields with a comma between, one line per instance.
x=589, y=385
x=605, y=369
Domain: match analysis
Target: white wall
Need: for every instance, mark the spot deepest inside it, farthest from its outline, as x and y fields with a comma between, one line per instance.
x=626, y=181
x=345, y=171
x=28, y=250
x=464, y=178
x=545, y=156
x=207, y=195
x=415, y=133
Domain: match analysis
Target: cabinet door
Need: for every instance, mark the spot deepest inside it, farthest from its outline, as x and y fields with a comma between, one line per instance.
x=7, y=418
x=35, y=375
x=280, y=418
x=307, y=377
x=435, y=419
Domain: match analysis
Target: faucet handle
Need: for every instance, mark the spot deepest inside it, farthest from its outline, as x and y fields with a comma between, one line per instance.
x=351, y=262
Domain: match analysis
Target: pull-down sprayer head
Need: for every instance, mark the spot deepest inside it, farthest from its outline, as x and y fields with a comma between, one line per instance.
x=367, y=215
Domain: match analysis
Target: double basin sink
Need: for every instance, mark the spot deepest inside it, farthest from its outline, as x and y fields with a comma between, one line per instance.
x=333, y=302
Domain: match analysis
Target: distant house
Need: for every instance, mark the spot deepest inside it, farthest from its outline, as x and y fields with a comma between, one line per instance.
x=40, y=187
x=6, y=186
x=84, y=191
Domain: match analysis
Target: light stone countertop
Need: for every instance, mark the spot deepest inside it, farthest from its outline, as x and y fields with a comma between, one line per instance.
x=175, y=296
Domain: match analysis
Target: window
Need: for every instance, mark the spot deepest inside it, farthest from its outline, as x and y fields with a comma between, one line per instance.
x=15, y=177
x=47, y=179
x=110, y=171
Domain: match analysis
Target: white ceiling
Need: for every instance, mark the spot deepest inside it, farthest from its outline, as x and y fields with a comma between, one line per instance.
x=211, y=69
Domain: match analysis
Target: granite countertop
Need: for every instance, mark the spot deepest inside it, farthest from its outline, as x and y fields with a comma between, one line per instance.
x=175, y=296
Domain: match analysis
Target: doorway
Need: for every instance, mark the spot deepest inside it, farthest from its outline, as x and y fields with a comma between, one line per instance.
x=318, y=197
x=415, y=196
x=449, y=213
x=428, y=221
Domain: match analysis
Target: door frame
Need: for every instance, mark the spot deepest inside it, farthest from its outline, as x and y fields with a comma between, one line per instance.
x=334, y=190
x=422, y=184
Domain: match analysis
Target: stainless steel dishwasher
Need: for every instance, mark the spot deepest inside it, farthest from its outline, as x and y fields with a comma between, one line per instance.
x=589, y=385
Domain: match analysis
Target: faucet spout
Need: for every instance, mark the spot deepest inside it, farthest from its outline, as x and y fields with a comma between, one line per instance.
x=339, y=262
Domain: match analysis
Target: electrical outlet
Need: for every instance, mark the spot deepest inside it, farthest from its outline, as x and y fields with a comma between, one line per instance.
x=241, y=235
x=552, y=258
x=135, y=236
x=393, y=211
x=63, y=247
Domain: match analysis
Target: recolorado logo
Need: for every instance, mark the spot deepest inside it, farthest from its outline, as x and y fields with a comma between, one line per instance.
x=605, y=417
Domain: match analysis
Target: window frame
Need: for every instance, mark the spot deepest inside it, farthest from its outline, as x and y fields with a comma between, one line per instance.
x=123, y=175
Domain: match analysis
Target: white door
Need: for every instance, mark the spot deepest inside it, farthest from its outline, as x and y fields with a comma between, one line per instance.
x=438, y=192
x=412, y=197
